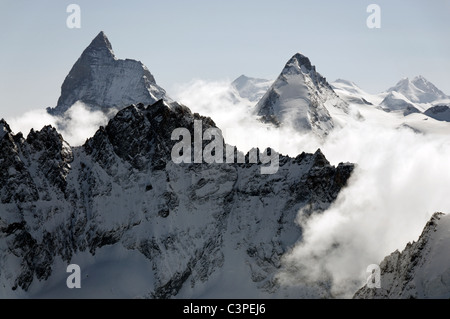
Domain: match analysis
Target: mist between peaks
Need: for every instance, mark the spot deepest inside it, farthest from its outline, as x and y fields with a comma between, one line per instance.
x=213, y=151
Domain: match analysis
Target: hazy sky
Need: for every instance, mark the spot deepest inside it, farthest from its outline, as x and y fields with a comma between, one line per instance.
x=219, y=40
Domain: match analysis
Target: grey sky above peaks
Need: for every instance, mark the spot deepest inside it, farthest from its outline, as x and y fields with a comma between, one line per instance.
x=219, y=40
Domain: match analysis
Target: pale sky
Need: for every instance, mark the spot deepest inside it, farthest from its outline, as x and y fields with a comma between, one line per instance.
x=219, y=40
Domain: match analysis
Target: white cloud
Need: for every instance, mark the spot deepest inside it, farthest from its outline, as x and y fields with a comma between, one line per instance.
x=78, y=123
x=35, y=119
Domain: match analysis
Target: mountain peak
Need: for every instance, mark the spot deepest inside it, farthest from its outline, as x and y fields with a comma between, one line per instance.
x=242, y=77
x=101, y=40
x=419, y=78
x=422, y=83
x=418, y=90
x=100, y=80
x=298, y=97
x=302, y=60
x=299, y=62
x=99, y=44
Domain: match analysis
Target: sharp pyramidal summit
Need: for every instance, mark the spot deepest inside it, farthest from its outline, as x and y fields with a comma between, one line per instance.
x=301, y=98
x=102, y=81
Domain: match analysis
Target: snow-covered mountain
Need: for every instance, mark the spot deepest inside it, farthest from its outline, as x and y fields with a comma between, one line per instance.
x=412, y=96
x=418, y=90
x=102, y=81
x=140, y=225
x=301, y=98
x=252, y=89
x=421, y=270
x=406, y=97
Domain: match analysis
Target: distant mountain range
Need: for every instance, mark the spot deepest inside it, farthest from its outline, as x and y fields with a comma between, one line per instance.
x=301, y=98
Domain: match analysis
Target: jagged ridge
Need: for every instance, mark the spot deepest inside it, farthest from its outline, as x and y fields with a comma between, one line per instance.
x=122, y=190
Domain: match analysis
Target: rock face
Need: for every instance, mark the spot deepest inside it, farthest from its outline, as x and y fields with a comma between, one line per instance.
x=300, y=97
x=102, y=81
x=421, y=270
x=190, y=230
x=439, y=112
